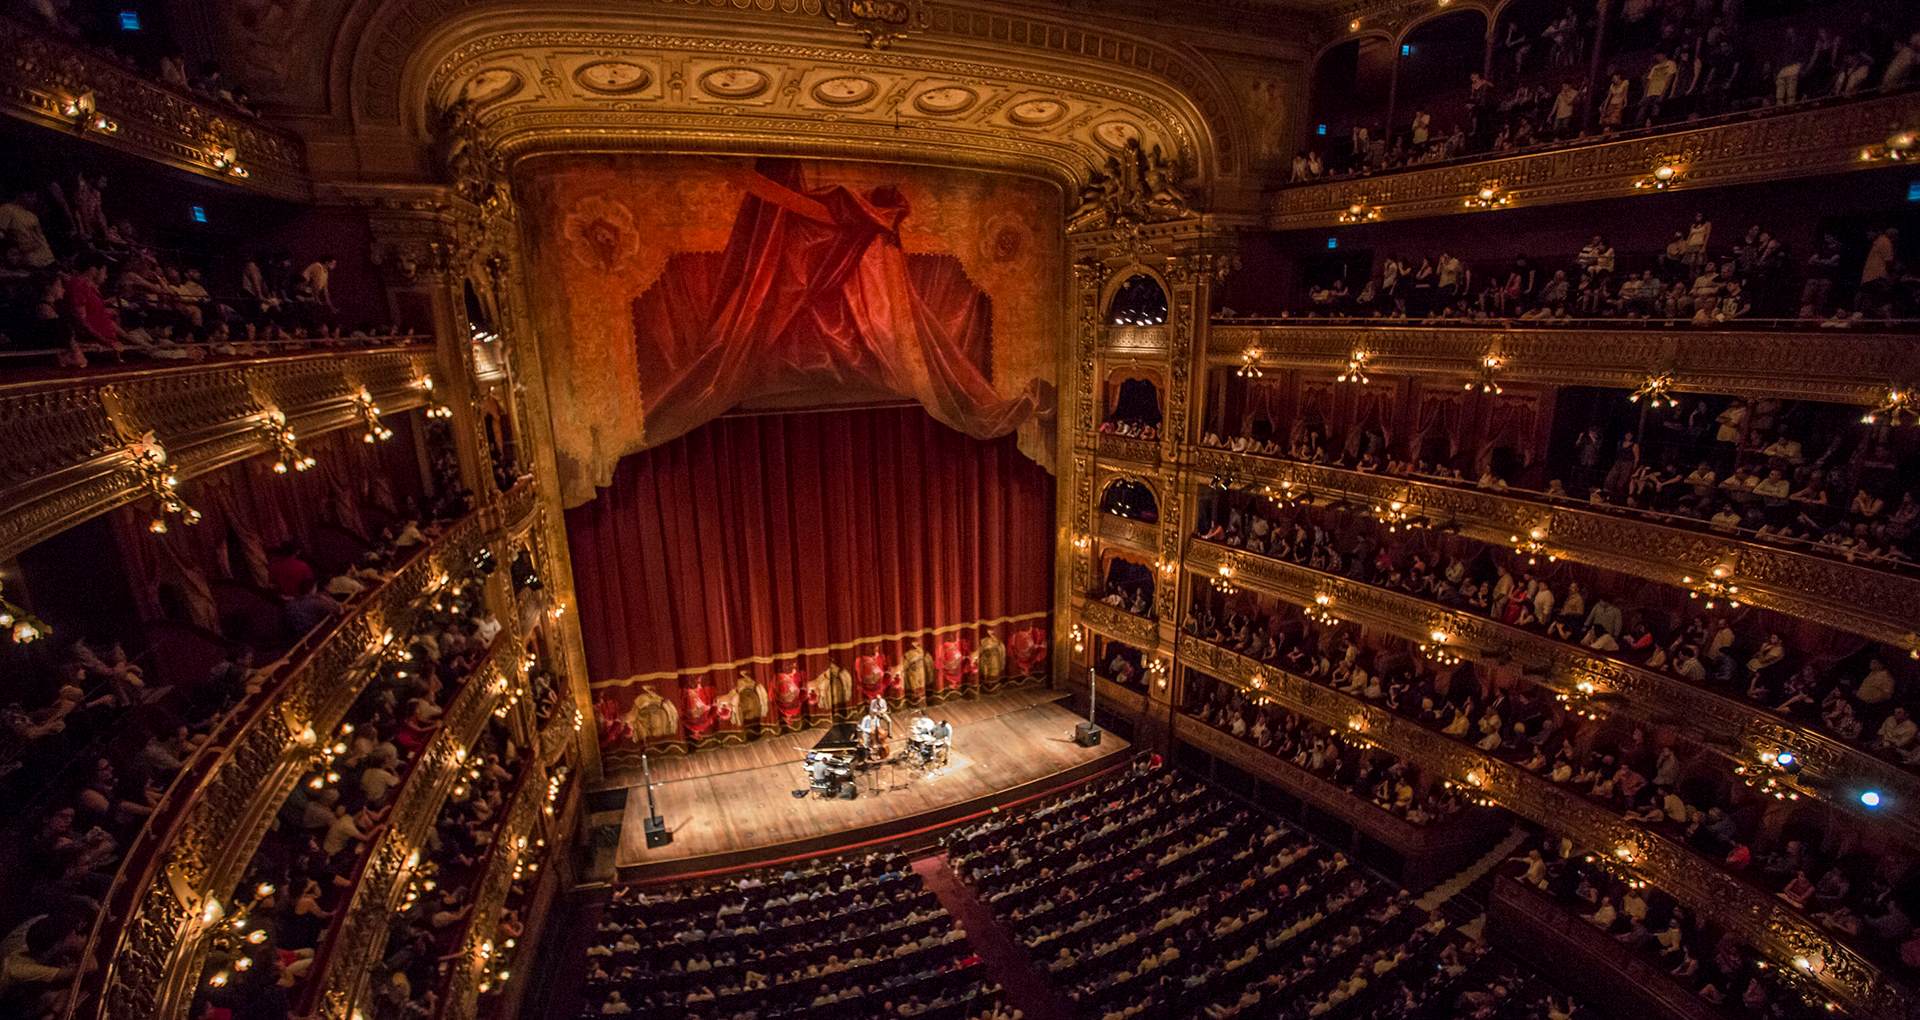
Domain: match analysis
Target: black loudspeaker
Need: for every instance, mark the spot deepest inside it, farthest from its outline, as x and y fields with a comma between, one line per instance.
x=1086, y=735
x=656, y=829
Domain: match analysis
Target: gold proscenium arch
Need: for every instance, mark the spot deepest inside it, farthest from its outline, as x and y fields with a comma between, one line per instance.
x=557, y=77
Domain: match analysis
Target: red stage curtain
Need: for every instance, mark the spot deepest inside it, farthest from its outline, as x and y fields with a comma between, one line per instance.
x=741, y=578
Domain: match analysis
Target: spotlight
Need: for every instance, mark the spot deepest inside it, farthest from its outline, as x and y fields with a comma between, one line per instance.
x=1871, y=798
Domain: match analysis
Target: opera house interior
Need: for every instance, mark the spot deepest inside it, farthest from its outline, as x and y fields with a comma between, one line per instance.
x=965, y=509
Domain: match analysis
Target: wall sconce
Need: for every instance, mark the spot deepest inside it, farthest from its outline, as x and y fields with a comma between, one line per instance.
x=1222, y=580
x=1082, y=543
x=1356, y=369
x=435, y=409
x=1717, y=587
x=1580, y=702
x=1395, y=515
x=159, y=481
x=1249, y=364
x=1436, y=650
x=1773, y=774
x=1321, y=611
x=23, y=625
x=1489, y=196
x=1488, y=380
x=1663, y=177
x=1899, y=147
x=1657, y=391
x=1167, y=567
x=1533, y=546
x=84, y=110
x=287, y=456
x=227, y=161
x=370, y=415
x=1359, y=212
x=1079, y=639
x=1897, y=409
x=1157, y=669
x=1354, y=25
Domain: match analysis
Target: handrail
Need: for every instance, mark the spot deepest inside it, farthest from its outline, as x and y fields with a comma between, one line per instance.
x=1808, y=326
x=1726, y=725
x=417, y=802
x=1787, y=580
x=170, y=867
x=1726, y=899
x=493, y=878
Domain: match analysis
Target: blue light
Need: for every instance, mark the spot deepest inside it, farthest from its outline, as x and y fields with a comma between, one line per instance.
x=129, y=21
x=1321, y=129
x=1787, y=759
x=1870, y=798
x=198, y=213
x=1332, y=243
x=1913, y=187
x=1406, y=49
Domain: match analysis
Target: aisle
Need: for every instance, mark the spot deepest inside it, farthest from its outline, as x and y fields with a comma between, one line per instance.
x=1004, y=959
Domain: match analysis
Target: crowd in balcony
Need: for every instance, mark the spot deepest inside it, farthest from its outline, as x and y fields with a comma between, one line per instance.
x=1867, y=898
x=78, y=283
x=1364, y=771
x=307, y=867
x=1855, y=697
x=1699, y=279
x=1149, y=895
x=857, y=935
x=1677, y=63
x=1649, y=923
x=1799, y=475
x=93, y=736
x=103, y=28
x=426, y=936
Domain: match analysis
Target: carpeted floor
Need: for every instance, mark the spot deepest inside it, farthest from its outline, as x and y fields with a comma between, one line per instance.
x=1003, y=958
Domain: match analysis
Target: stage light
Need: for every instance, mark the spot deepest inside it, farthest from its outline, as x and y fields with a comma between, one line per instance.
x=1871, y=798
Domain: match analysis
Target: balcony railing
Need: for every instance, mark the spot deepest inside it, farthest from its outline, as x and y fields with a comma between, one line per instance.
x=45, y=80
x=1713, y=894
x=1139, y=451
x=1875, y=604
x=359, y=930
x=1740, y=151
x=208, y=822
x=1140, y=631
x=1737, y=729
x=512, y=845
x=1811, y=364
x=68, y=455
x=1137, y=535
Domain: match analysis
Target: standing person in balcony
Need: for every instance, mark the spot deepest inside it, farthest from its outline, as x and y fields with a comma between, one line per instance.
x=1656, y=87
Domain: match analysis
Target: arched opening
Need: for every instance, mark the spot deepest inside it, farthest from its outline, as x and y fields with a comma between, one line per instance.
x=1127, y=498
x=1351, y=84
x=1138, y=302
x=1438, y=79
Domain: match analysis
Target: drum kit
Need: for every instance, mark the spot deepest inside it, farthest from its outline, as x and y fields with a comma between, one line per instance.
x=834, y=763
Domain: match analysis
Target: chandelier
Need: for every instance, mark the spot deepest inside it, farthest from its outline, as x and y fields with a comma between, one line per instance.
x=1657, y=391
x=1222, y=580
x=1320, y=611
x=1897, y=408
x=287, y=456
x=377, y=431
x=1489, y=370
x=1489, y=196
x=1717, y=587
x=1250, y=364
x=1533, y=546
x=1356, y=369
x=159, y=481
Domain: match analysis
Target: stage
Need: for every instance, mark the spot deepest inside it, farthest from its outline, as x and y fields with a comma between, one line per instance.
x=733, y=805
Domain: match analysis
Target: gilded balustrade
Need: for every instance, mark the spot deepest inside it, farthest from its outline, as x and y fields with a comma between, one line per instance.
x=43, y=76
x=1136, y=535
x=1714, y=895
x=1813, y=364
x=513, y=843
x=1875, y=604
x=1145, y=452
x=1138, y=631
x=211, y=818
x=67, y=457
x=337, y=980
x=1736, y=729
x=1826, y=140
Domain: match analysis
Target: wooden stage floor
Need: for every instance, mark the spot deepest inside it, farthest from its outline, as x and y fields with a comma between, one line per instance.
x=727, y=806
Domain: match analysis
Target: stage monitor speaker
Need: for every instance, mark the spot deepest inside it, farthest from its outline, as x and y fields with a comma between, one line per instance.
x=1086, y=735
x=655, y=828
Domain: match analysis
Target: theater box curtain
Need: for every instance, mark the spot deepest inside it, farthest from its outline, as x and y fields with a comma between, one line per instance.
x=765, y=570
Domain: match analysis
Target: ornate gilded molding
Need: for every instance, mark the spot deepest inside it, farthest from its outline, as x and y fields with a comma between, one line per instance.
x=1138, y=631
x=341, y=966
x=1124, y=343
x=1717, y=897
x=1130, y=702
x=512, y=844
x=1735, y=729
x=1810, y=143
x=1141, y=538
x=203, y=832
x=1137, y=453
x=1875, y=604
x=68, y=459
x=1814, y=364
x=42, y=74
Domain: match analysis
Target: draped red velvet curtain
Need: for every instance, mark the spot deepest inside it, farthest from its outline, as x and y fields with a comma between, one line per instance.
x=745, y=577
